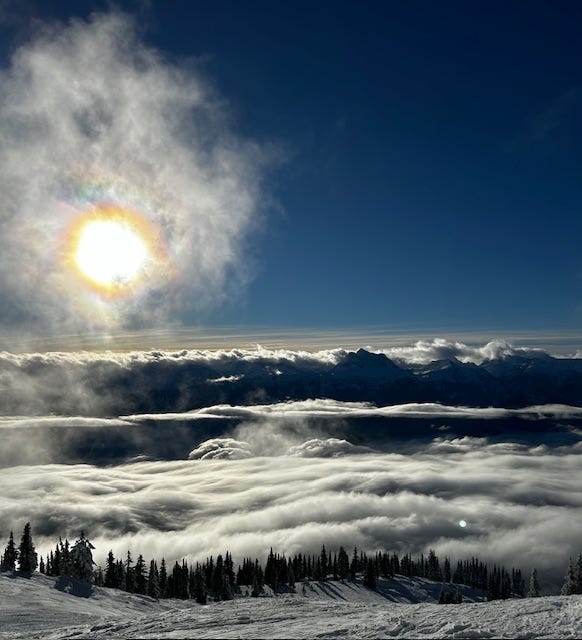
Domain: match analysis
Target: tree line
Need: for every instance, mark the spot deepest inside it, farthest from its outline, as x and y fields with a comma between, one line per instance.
x=216, y=578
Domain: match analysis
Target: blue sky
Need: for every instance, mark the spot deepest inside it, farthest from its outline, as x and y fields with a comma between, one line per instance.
x=432, y=154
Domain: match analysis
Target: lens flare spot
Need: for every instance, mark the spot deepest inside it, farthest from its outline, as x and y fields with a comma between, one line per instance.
x=462, y=524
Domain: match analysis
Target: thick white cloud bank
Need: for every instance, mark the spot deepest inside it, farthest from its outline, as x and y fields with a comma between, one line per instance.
x=108, y=384
x=522, y=505
x=90, y=114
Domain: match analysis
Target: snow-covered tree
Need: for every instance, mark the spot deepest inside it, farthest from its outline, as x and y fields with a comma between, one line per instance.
x=534, y=585
x=10, y=554
x=572, y=583
x=82, y=559
x=27, y=558
x=65, y=562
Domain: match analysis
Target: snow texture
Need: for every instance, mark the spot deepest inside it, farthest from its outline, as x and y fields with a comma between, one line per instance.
x=402, y=608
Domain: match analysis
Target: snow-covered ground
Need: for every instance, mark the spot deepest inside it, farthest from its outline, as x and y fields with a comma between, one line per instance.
x=34, y=608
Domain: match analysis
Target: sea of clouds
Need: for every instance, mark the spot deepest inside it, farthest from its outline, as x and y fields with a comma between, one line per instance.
x=522, y=504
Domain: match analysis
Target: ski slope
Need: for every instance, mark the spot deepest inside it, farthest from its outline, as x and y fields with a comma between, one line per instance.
x=34, y=608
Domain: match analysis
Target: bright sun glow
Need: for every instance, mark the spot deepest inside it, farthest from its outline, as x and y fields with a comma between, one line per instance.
x=114, y=252
x=110, y=253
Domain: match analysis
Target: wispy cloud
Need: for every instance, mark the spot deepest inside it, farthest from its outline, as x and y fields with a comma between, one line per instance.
x=90, y=113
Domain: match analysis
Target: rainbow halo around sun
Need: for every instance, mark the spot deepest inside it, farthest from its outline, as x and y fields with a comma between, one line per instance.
x=113, y=251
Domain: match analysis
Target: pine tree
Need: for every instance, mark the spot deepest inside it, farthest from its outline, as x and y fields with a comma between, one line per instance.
x=163, y=579
x=343, y=564
x=324, y=563
x=229, y=570
x=291, y=577
x=570, y=585
x=140, y=577
x=534, y=586
x=153, y=588
x=10, y=554
x=82, y=559
x=65, y=558
x=447, y=571
x=200, y=593
x=98, y=577
x=129, y=574
x=354, y=564
x=110, y=580
x=255, y=591
x=369, y=574
x=27, y=558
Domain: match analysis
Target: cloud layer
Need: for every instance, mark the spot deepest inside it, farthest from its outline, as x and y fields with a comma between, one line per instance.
x=522, y=504
x=91, y=114
x=111, y=384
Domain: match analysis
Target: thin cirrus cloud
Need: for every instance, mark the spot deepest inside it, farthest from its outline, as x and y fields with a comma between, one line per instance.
x=90, y=114
x=517, y=501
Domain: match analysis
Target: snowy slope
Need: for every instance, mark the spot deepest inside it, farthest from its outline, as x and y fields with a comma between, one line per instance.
x=33, y=608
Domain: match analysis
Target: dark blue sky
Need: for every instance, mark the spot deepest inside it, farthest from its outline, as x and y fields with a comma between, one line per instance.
x=434, y=154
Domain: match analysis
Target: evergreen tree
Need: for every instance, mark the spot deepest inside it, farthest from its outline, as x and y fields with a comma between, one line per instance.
x=255, y=591
x=56, y=564
x=369, y=574
x=200, y=594
x=65, y=558
x=27, y=558
x=110, y=580
x=120, y=575
x=324, y=563
x=98, y=577
x=163, y=579
x=220, y=585
x=447, y=571
x=153, y=588
x=129, y=574
x=570, y=585
x=343, y=564
x=291, y=577
x=432, y=569
x=354, y=564
x=534, y=586
x=10, y=554
x=82, y=559
x=229, y=570
x=140, y=577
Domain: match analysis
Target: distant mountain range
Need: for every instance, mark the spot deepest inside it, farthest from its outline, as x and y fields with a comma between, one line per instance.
x=98, y=386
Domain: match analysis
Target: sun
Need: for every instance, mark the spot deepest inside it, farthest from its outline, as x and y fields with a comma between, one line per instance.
x=112, y=250
x=111, y=253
